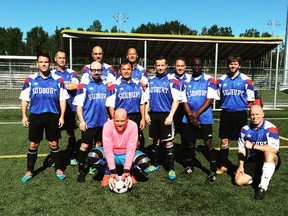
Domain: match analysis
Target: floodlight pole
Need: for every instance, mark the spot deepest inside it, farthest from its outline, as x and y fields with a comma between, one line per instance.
x=272, y=23
x=284, y=85
x=121, y=18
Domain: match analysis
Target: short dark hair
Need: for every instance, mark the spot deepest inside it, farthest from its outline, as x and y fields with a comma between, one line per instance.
x=233, y=58
x=125, y=62
x=44, y=55
x=62, y=51
x=180, y=58
x=160, y=57
x=195, y=58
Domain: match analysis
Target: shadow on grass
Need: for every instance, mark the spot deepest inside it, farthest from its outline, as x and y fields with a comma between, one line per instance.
x=200, y=149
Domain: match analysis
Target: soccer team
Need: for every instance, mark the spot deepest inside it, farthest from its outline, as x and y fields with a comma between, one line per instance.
x=114, y=108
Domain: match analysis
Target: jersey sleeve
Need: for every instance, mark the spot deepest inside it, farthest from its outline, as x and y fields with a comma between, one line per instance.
x=250, y=91
x=110, y=78
x=273, y=138
x=63, y=91
x=212, y=92
x=111, y=96
x=80, y=96
x=131, y=145
x=176, y=90
x=74, y=78
x=25, y=93
x=108, y=145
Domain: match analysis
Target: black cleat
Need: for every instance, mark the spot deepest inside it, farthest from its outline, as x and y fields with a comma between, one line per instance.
x=81, y=177
x=260, y=194
x=188, y=170
x=211, y=177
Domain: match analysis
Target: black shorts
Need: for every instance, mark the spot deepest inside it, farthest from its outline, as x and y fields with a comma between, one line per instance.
x=178, y=116
x=231, y=124
x=157, y=129
x=136, y=117
x=69, y=119
x=40, y=122
x=190, y=132
x=253, y=165
x=92, y=135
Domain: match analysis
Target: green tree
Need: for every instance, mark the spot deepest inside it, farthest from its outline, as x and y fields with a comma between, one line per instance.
x=95, y=27
x=223, y=31
x=114, y=29
x=172, y=27
x=13, y=41
x=266, y=34
x=204, y=31
x=55, y=40
x=37, y=41
x=250, y=33
x=2, y=41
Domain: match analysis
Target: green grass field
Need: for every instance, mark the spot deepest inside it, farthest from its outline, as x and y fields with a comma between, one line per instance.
x=187, y=195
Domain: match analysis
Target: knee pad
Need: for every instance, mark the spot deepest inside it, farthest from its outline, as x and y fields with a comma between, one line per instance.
x=142, y=161
x=94, y=156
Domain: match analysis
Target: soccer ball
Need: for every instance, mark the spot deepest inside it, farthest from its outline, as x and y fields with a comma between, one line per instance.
x=120, y=186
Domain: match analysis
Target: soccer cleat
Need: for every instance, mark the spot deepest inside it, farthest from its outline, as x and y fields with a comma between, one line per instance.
x=60, y=175
x=28, y=175
x=73, y=162
x=188, y=170
x=105, y=180
x=221, y=170
x=92, y=170
x=81, y=177
x=260, y=194
x=211, y=177
x=172, y=175
x=151, y=168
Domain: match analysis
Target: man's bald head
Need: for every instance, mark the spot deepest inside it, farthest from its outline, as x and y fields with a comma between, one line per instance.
x=120, y=119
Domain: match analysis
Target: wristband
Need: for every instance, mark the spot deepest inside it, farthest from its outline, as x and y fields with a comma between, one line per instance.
x=126, y=171
x=241, y=157
x=113, y=171
x=253, y=146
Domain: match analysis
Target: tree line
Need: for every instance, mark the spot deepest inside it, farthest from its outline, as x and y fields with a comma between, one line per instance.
x=13, y=42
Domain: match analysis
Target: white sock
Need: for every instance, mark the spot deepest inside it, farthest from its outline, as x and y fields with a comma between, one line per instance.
x=268, y=170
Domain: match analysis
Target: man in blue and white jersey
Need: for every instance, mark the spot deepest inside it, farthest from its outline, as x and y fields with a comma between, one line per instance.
x=261, y=138
x=108, y=73
x=181, y=75
x=139, y=73
x=46, y=94
x=71, y=83
x=163, y=100
x=92, y=113
x=236, y=91
x=128, y=94
x=200, y=91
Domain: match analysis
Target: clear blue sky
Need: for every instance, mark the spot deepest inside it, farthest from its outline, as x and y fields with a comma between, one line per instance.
x=239, y=15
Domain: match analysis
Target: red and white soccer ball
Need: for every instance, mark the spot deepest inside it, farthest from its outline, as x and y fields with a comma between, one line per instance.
x=120, y=186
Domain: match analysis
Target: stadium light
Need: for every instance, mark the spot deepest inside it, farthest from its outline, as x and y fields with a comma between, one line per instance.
x=273, y=23
x=121, y=18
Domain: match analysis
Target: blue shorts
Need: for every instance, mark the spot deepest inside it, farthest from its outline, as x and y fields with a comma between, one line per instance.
x=120, y=158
